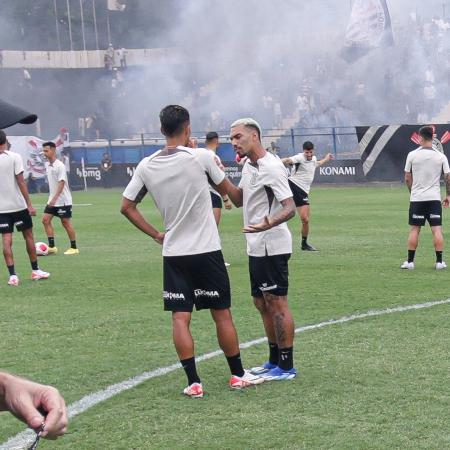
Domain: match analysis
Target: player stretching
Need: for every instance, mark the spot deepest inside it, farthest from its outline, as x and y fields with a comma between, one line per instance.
x=267, y=204
x=59, y=200
x=194, y=271
x=300, y=180
x=15, y=210
x=423, y=170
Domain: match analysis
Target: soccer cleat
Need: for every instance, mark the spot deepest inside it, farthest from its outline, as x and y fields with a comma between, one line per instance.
x=13, y=280
x=441, y=265
x=308, y=248
x=262, y=369
x=407, y=265
x=248, y=379
x=72, y=251
x=278, y=374
x=195, y=390
x=52, y=250
x=39, y=275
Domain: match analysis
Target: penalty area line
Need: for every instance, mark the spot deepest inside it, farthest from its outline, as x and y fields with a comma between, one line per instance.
x=26, y=438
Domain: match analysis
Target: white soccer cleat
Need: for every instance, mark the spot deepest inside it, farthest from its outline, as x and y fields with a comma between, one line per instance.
x=195, y=390
x=248, y=379
x=13, y=280
x=441, y=265
x=407, y=265
x=39, y=275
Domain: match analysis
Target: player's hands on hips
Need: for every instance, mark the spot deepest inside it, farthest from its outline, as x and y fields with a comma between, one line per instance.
x=446, y=202
x=25, y=399
x=257, y=228
x=31, y=210
x=159, y=238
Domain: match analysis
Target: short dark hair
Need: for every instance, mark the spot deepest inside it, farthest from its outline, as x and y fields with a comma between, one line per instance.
x=308, y=145
x=49, y=144
x=426, y=132
x=211, y=136
x=3, y=139
x=174, y=119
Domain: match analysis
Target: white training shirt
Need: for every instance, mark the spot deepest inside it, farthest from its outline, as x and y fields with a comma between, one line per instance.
x=56, y=172
x=302, y=174
x=178, y=183
x=11, y=199
x=265, y=185
x=219, y=162
x=426, y=166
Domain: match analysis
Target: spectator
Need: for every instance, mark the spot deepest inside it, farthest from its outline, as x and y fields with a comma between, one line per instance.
x=122, y=56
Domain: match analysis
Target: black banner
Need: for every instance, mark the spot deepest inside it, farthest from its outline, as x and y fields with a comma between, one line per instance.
x=340, y=171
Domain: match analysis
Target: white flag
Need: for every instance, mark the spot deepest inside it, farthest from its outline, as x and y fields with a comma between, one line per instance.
x=114, y=5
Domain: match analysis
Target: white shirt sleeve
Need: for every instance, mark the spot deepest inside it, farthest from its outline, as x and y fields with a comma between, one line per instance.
x=408, y=165
x=61, y=173
x=136, y=189
x=208, y=161
x=18, y=164
x=277, y=180
x=298, y=158
x=445, y=166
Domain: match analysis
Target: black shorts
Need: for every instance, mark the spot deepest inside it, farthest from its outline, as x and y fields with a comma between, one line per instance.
x=63, y=212
x=300, y=196
x=431, y=211
x=21, y=219
x=200, y=280
x=216, y=200
x=269, y=274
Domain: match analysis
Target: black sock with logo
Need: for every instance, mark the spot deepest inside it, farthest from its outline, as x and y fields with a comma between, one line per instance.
x=286, y=359
x=51, y=242
x=273, y=353
x=235, y=365
x=34, y=265
x=439, y=257
x=190, y=370
x=11, y=270
x=411, y=254
x=73, y=244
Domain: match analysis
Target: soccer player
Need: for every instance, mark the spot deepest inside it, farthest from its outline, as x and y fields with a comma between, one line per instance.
x=423, y=170
x=176, y=177
x=59, y=200
x=300, y=182
x=212, y=144
x=267, y=204
x=16, y=210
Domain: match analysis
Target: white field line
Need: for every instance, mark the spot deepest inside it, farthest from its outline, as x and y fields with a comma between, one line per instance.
x=74, y=204
x=26, y=438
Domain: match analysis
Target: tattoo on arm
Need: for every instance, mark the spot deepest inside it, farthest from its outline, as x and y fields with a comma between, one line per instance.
x=447, y=183
x=284, y=214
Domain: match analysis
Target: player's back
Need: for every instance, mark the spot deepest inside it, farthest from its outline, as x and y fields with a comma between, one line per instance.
x=178, y=183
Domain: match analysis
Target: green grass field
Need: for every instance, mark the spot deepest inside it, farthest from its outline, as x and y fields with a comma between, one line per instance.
x=374, y=383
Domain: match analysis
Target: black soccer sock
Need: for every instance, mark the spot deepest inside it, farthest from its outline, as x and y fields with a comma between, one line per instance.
x=304, y=239
x=235, y=364
x=11, y=270
x=73, y=244
x=438, y=256
x=34, y=265
x=190, y=370
x=285, y=361
x=273, y=353
x=51, y=242
x=411, y=254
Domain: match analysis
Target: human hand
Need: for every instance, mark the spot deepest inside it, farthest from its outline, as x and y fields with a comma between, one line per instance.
x=26, y=399
x=31, y=210
x=159, y=238
x=262, y=226
x=446, y=202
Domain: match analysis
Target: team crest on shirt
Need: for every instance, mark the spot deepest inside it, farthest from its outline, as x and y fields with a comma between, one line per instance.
x=254, y=178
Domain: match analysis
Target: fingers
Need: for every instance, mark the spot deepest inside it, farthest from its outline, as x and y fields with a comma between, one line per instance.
x=56, y=420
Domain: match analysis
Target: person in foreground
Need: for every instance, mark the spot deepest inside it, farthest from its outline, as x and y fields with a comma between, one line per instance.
x=193, y=267
x=267, y=204
x=40, y=407
x=16, y=210
x=423, y=170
